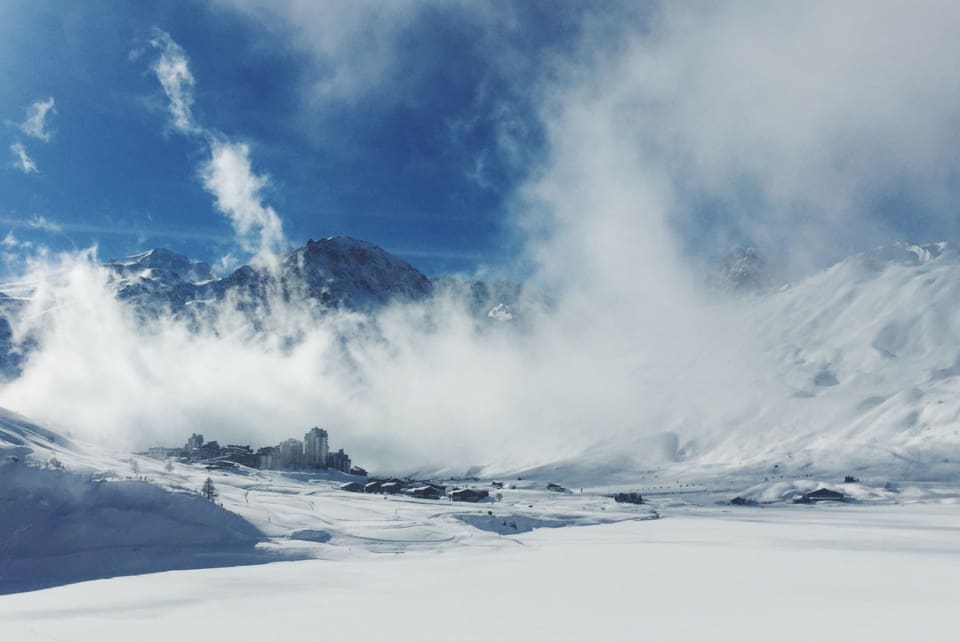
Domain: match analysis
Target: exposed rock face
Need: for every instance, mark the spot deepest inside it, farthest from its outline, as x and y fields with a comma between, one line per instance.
x=350, y=273
x=746, y=270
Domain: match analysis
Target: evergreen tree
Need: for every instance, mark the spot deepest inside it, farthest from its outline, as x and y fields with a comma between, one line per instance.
x=209, y=491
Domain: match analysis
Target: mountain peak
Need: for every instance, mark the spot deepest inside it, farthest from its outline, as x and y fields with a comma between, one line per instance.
x=341, y=270
x=745, y=269
x=161, y=263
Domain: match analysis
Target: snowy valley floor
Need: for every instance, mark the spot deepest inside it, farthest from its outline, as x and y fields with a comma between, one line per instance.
x=300, y=558
x=797, y=572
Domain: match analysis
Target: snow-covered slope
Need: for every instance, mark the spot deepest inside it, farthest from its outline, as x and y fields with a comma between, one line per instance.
x=68, y=513
x=887, y=573
x=159, y=280
x=865, y=364
x=162, y=265
x=855, y=368
x=868, y=355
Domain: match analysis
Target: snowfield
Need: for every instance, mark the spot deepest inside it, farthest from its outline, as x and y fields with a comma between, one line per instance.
x=886, y=572
x=309, y=558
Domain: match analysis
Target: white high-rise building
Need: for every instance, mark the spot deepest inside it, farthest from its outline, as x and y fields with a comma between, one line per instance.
x=290, y=454
x=315, y=448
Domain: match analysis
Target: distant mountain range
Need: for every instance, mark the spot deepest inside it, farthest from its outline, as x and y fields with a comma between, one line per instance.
x=325, y=275
x=332, y=273
x=321, y=277
x=856, y=366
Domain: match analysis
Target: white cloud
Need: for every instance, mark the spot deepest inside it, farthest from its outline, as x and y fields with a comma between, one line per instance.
x=36, y=124
x=358, y=48
x=228, y=174
x=42, y=222
x=230, y=178
x=22, y=160
x=9, y=241
x=172, y=69
x=792, y=118
x=351, y=43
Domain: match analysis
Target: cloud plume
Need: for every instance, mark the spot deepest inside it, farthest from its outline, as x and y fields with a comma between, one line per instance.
x=172, y=69
x=35, y=125
x=228, y=175
x=22, y=160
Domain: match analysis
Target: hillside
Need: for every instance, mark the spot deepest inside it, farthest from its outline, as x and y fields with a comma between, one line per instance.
x=855, y=368
x=852, y=369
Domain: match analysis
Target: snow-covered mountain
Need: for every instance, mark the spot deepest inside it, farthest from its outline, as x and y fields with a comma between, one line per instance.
x=332, y=273
x=323, y=275
x=868, y=354
x=351, y=273
x=858, y=365
x=159, y=279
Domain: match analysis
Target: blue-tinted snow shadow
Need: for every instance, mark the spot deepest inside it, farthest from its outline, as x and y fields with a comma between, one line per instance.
x=57, y=527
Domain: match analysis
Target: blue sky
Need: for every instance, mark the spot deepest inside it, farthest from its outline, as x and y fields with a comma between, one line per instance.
x=412, y=166
x=425, y=126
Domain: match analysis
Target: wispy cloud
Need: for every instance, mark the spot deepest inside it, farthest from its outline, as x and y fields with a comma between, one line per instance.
x=9, y=241
x=36, y=124
x=172, y=69
x=352, y=44
x=228, y=174
x=42, y=222
x=22, y=160
x=229, y=177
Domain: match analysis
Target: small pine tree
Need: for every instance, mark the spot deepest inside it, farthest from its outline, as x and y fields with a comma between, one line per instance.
x=169, y=466
x=134, y=466
x=209, y=491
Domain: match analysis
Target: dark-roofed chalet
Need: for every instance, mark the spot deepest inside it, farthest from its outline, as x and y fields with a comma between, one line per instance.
x=353, y=486
x=823, y=494
x=373, y=487
x=470, y=495
x=391, y=487
x=442, y=489
x=424, y=492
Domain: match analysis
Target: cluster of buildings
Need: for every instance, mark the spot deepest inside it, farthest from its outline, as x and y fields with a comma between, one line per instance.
x=312, y=453
x=416, y=489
